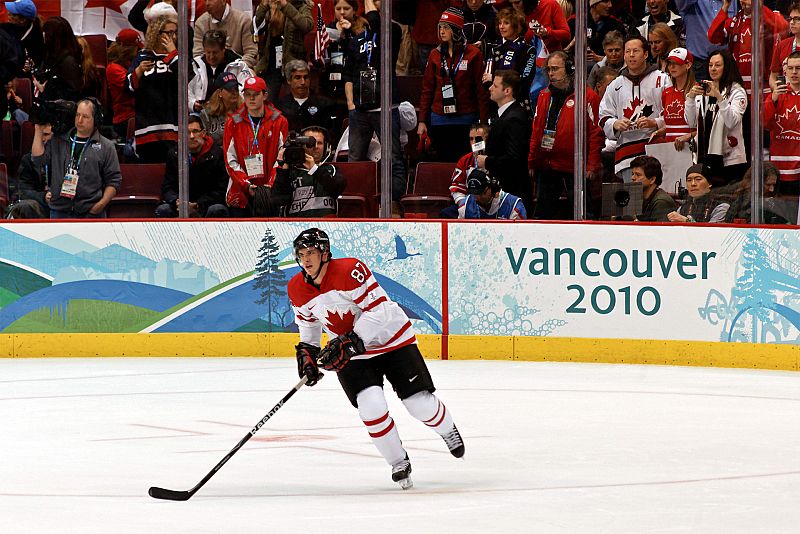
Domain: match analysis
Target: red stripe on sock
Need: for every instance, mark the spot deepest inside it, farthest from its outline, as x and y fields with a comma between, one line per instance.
x=382, y=432
x=438, y=410
x=439, y=422
x=377, y=421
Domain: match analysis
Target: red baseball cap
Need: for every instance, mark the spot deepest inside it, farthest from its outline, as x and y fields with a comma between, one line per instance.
x=680, y=55
x=254, y=83
x=129, y=37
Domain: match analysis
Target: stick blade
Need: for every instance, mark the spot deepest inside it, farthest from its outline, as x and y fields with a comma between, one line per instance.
x=169, y=495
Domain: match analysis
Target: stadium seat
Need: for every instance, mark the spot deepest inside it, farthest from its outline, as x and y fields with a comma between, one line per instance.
x=431, y=191
x=98, y=44
x=140, y=192
x=3, y=188
x=361, y=192
x=8, y=150
x=26, y=133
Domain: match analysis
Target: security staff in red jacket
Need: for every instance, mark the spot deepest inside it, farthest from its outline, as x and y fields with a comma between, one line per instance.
x=552, y=145
x=253, y=136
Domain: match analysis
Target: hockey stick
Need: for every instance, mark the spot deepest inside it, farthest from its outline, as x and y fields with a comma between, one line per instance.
x=175, y=495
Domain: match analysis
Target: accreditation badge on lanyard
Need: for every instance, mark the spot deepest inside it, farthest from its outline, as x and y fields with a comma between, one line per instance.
x=254, y=163
x=69, y=187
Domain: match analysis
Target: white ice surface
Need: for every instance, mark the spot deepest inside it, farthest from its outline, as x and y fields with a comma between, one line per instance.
x=550, y=447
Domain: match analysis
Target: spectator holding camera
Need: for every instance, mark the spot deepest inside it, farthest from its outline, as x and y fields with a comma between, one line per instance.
x=453, y=96
x=306, y=185
x=782, y=121
x=207, y=176
x=83, y=168
x=546, y=20
x=60, y=75
x=715, y=108
x=786, y=46
x=153, y=80
x=252, y=138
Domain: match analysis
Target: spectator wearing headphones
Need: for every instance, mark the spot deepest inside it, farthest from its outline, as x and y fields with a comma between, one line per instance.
x=486, y=200
x=453, y=96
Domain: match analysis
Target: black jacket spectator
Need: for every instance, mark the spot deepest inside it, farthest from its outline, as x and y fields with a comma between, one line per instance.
x=507, y=152
x=315, y=111
x=208, y=178
x=32, y=181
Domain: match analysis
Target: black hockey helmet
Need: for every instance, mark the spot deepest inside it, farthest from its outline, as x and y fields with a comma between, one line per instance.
x=312, y=237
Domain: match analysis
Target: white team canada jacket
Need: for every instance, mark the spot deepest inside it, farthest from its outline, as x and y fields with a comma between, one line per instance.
x=632, y=97
x=726, y=136
x=349, y=299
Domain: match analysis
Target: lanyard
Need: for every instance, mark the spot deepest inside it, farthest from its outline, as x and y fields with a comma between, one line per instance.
x=547, y=117
x=369, y=52
x=446, y=67
x=72, y=163
x=255, y=128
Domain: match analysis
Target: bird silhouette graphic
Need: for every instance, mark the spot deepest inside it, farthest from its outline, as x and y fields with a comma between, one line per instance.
x=400, y=248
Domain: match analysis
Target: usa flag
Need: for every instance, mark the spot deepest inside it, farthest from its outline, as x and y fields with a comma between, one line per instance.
x=321, y=38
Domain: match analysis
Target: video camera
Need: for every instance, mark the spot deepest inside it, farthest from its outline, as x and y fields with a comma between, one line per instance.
x=59, y=113
x=294, y=149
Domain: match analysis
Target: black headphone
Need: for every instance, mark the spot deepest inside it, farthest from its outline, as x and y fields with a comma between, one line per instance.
x=569, y=64
x=325, y=135
x=97, y=110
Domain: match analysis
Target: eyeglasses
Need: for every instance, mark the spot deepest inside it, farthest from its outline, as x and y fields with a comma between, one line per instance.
x=553, y=69
x=794, y=20
x=195, y=132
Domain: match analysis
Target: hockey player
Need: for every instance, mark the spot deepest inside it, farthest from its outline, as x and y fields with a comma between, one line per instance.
x=370, y=338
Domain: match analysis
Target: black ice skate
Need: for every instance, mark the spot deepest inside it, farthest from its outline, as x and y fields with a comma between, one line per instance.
x=401, y=473
x=454, y=442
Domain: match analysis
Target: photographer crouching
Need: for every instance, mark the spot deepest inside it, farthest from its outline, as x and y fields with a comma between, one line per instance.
x=305, y=184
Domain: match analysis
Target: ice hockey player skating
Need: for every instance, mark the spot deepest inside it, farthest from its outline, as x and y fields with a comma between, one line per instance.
x=370, y=338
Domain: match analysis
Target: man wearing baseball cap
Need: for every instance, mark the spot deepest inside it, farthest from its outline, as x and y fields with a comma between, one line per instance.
x=253, y=135
x=600, y=23
x=24, y=26
x=485, y=199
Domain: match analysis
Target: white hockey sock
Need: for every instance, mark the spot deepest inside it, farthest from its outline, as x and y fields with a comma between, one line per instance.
x=426, y=407
x=374, y=412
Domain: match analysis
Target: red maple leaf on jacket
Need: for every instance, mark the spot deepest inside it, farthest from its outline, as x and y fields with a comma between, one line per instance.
x=116, y=5
x=340, y=324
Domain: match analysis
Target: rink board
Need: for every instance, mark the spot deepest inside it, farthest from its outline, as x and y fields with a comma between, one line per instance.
x=689, y=295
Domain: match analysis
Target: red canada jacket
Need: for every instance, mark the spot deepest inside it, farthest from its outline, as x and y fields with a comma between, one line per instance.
x=237, y=144
x=470, y=94
x=560, y=158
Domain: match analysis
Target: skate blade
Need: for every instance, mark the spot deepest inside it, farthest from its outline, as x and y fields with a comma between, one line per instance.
x=405, y=483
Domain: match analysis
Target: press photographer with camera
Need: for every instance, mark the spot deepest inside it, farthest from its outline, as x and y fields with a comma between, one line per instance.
x=306, y=185
x=83, y=168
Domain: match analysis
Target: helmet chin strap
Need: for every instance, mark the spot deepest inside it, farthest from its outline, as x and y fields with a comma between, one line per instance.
x=311, y=279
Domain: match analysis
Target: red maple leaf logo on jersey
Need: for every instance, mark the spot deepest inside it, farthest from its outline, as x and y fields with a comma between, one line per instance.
x=637, y=108
x=116, y=5
x=789, y=121
x=340, y=324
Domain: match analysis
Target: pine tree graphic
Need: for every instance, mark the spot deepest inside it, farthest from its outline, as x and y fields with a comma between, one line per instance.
x=270, y=280
x=753, y=288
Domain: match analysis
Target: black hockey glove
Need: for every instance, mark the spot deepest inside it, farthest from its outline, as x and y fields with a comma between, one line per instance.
x=307, y=362
x=339, y=351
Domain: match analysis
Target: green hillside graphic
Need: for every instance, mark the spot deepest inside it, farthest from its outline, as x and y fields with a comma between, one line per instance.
x=84, y=316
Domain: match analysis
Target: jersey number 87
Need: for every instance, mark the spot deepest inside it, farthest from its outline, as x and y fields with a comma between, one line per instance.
x=359, y=273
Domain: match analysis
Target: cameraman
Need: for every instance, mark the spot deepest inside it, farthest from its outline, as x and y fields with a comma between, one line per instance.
x=305, y=182
x=83, y=168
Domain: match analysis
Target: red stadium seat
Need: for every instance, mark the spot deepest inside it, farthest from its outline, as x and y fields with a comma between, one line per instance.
x=359, y=199
x=431, y=192
x=26, y=133
x=140, y=192
x=24, y=90
x=3, y=188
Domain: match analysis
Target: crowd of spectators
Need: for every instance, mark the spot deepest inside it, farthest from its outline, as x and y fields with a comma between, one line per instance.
x=669, y=105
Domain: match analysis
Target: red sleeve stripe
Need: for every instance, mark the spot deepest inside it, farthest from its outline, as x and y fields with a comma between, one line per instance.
x=312, y=320
x=379, y=420
x=399, y=333
x=382, y=432
x=380, y=300
x=441, y=409
x=362, y=297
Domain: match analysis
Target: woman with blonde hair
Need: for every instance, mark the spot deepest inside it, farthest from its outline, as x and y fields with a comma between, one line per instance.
x=92, y=80
x=662, y=40
x=224, y=101
x=153, y=79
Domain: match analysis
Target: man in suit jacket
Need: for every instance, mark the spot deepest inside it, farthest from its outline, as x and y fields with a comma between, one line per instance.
x=507, y=148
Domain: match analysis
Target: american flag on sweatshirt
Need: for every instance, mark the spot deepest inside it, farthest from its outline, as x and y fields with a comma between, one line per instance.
x=321, y=38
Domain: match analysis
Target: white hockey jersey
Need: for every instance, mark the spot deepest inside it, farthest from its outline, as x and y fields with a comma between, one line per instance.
x=632, y=97
x=349, y=299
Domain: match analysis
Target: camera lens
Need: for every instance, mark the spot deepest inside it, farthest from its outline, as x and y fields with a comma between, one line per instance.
x=622, y=198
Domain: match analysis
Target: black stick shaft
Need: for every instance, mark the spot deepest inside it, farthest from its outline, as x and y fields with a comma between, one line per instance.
x=173, y=495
